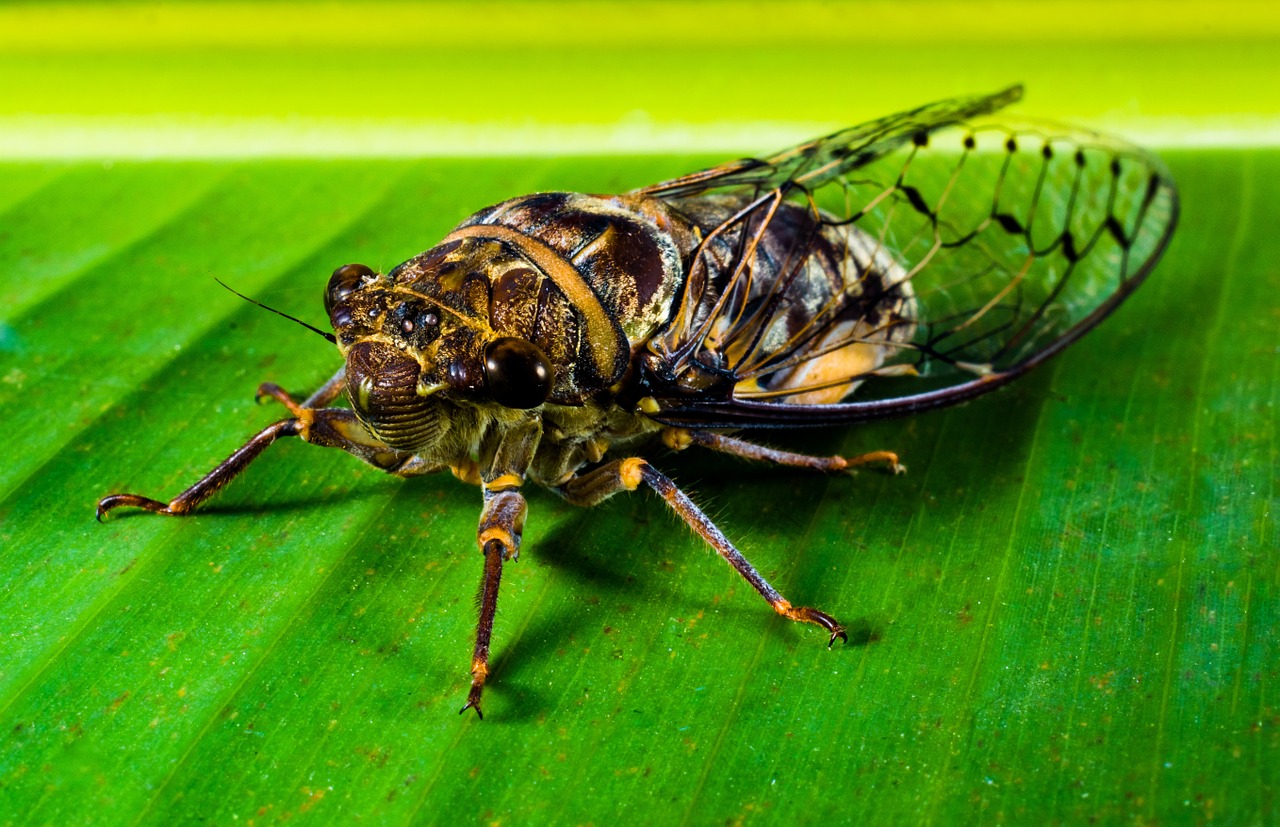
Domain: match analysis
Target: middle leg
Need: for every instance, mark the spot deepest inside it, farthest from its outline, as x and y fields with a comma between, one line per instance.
x=501, y=526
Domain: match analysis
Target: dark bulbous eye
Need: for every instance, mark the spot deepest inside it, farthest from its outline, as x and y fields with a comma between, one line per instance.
x=517, y=372
x=343, y=283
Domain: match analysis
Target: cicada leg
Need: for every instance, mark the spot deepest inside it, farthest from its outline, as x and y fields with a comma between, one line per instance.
x=630, y=474
x=680, y=438
x=501, y=526
x=328, y=427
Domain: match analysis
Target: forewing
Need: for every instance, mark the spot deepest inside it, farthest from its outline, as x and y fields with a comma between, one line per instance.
x=1015, y=239
x=818, y=162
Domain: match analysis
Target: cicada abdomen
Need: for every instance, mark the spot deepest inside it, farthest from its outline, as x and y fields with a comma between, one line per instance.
x=973, y=250
x=779, y=300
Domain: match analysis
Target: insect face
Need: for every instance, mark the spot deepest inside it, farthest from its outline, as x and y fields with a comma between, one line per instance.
x=389, y=341
x=412, y=358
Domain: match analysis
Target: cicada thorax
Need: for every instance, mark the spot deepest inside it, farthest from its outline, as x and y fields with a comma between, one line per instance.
x=583, y=278
x=538, y=300
x=786, y=300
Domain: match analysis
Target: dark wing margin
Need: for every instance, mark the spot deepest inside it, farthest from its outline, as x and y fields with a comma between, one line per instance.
x=817, y=162
x=1013, y=239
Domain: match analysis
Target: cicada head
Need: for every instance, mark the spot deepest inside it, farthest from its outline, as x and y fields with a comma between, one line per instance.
x=414, y=361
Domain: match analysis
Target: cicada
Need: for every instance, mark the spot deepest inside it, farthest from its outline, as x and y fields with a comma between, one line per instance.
x=911, y=262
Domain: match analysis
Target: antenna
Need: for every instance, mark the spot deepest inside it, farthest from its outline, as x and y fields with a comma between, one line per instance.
x=333, y=340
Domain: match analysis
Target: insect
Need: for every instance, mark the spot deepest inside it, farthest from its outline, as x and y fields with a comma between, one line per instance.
x=911, y=262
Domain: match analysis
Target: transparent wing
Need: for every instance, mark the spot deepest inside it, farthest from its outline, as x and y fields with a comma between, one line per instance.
x=820, y=161
x=1011, y=239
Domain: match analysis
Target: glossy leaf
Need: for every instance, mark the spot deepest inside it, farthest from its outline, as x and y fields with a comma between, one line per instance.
x=1066, y=608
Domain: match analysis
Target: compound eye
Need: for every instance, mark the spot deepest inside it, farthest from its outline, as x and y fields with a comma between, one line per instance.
x=343, y=283
x=517, y=372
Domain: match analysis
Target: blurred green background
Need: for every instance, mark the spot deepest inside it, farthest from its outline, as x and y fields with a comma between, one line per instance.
x=126, y=79
x=1066, y=611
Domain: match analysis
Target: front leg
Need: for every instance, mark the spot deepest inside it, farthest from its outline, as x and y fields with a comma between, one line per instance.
x=328, y=427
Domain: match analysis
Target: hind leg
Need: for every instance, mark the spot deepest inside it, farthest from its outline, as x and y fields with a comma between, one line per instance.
x=680, y=438
x=630, y=474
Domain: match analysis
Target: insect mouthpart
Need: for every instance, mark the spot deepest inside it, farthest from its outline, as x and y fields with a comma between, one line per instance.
x=382, y=383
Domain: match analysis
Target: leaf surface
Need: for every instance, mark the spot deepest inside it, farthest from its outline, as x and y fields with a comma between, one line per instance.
x=1067, y=605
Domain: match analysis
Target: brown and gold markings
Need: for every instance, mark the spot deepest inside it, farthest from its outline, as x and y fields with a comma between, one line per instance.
x=608, y=344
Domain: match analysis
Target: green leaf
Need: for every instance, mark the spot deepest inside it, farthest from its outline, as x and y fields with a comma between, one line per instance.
x=1067, y=610
x=1067, y=607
